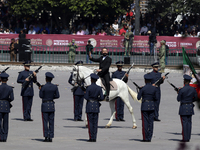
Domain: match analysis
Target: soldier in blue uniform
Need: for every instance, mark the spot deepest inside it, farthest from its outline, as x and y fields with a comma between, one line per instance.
x=27, y=93
x=6, y=96
x=93, y=95
x=48, y=93
x=186, y=96
x=156, y=76
x=119, y=104
x=149, y=97
x=78, y=95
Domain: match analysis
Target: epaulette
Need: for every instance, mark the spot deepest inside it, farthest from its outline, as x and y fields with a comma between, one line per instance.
x=20, y=72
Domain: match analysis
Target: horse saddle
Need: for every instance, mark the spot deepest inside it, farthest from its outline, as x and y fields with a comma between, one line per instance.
x=113, y=85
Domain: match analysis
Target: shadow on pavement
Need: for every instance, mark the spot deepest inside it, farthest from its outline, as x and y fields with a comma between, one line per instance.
x=85, y=140
x=68, y=119
x=39, y=140
x=174, y=133
x=83, y=127
x=138, y=140
x=178, y=140
x=18, y=119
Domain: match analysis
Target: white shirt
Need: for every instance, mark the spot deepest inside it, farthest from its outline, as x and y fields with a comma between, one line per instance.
x=115, y=26
x=31, y=32
x=144, y=29
x=177, y=35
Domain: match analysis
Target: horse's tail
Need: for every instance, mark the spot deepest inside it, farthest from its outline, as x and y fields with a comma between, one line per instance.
x=133, y=94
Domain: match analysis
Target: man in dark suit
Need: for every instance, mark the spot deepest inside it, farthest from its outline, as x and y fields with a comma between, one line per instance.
x=27, y=93
x=156, y=76
x=78, y=95
x=6, y=96
x=93, y=95
x=103, y=71
x=186, y=96
x=48, y=93
x=149, y=97
x=119, y=104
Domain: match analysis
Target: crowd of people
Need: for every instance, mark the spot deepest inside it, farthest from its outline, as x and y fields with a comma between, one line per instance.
x=116, y=25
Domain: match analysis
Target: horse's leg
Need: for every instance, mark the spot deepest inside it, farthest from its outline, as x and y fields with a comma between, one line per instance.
x=112, y=107
x=125, y=98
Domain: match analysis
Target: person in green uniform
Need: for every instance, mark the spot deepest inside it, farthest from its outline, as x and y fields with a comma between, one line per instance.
x=128, y=41
x=161, y=55
x=72, y=51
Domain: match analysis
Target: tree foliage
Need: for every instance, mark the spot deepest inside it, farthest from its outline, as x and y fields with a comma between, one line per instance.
x=58, y=7
x=172, y=7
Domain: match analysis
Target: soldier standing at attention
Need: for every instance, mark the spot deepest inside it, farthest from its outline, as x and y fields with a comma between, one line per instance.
x=119, y=104
x=128, y=41
x=93, y=95
x=186, y=96
x=155, y=77
x=27, y=93
x=149, y=97
x=78, y=95
x=6, y=96
x=48, y=93
x=72, y=51
x=103, y=71
x=162, y=53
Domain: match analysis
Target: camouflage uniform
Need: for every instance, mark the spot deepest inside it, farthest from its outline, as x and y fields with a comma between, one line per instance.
x=162, y=54
x=128, y=41
x=72, y=51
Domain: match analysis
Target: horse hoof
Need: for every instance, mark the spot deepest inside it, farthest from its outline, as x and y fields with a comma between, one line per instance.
x=134, y=127
x=86, y=126
x=107, y=126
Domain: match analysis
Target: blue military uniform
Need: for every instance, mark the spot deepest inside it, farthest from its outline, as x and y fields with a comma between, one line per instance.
x=149, y=97
x=48, y=93
x=93, y=95
x=186, y=96
x=6, y=96
x=78, y=95
x=119, y=104
x=156, y=76
x=26, y=93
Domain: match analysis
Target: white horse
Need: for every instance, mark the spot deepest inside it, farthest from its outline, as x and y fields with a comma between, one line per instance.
x=123, y=91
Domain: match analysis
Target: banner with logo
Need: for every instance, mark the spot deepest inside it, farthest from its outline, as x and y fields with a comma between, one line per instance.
x=140, y=43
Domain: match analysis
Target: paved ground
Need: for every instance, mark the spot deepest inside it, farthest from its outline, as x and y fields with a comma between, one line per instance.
x=73, y=135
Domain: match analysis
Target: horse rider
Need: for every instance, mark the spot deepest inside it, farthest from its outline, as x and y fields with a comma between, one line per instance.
x=119, y=104
x=103, y=71
x=78, y=95
x=93, y=95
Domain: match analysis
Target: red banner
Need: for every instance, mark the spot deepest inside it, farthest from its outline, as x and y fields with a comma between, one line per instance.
x=140, y=42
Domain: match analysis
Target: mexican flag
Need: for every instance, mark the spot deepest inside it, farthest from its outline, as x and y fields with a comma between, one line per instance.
x=188, y=69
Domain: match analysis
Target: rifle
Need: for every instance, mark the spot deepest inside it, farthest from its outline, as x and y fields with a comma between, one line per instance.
x=26, y=83
x=40, y=85
x=137, y=85
x=128, y=71
x=5, y=70
x=175, y=88
x=158, y=82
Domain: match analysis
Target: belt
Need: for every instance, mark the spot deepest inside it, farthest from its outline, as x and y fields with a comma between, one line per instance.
x=93, y=101
x=186, y=103
x=148, y=100
x=47, y=101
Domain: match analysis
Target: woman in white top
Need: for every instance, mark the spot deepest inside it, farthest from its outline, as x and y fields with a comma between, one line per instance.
x=115, y=25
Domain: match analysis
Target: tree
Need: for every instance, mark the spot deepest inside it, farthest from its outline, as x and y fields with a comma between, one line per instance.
x=61, y=8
